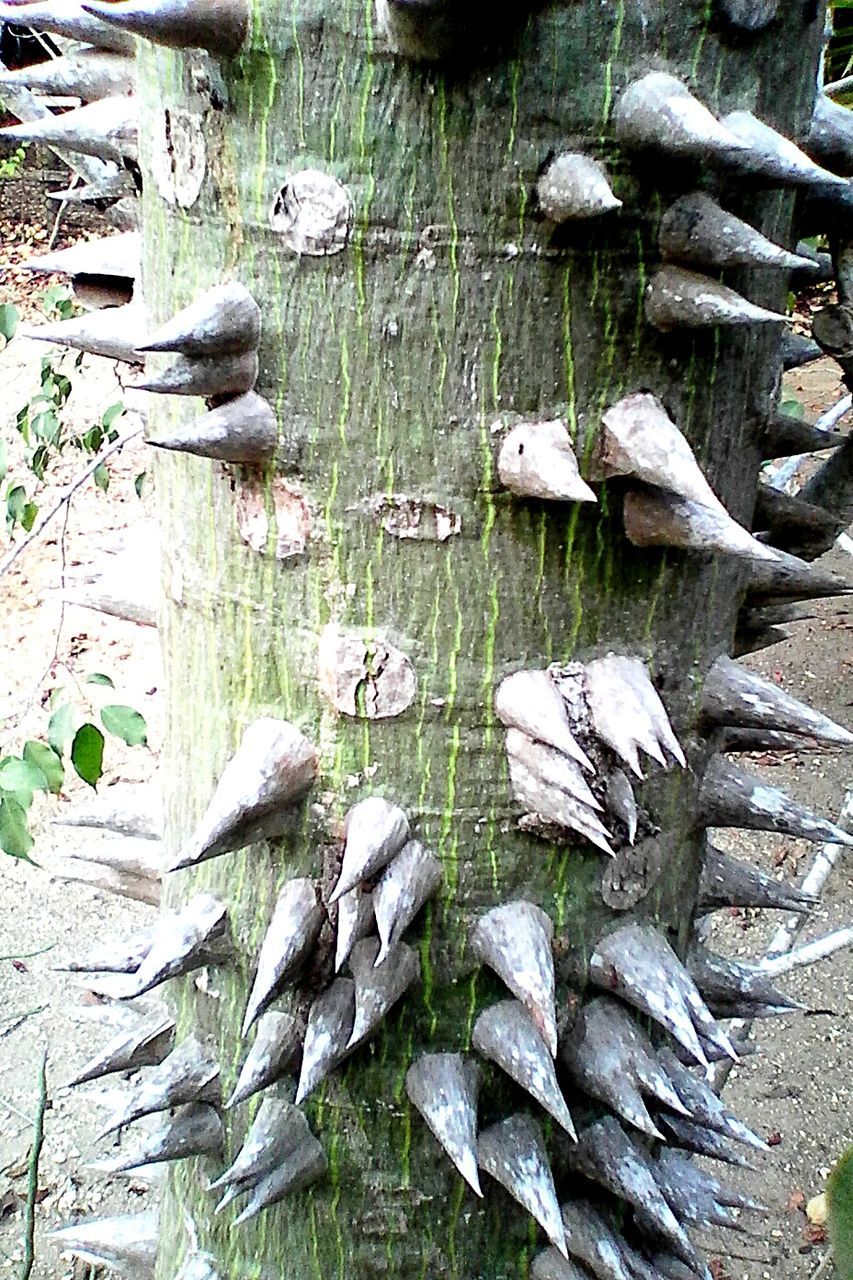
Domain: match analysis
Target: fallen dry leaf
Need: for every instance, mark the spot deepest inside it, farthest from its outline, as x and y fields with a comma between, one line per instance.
x=796, y=1202
x=816, y=1210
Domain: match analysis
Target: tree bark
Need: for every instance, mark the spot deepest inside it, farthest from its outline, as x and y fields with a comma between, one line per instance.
x=449, y=305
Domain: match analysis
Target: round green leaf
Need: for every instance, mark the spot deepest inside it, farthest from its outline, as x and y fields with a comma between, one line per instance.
x=22, y=776
x=60, y=729
x=98, y=677
x=126, y=724
x=87, y=753
x=839, y=1198
x=47, y=760
x=8, y=321
x=15, y=838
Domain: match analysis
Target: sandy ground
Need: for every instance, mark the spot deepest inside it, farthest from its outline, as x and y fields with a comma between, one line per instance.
x=796, y=1091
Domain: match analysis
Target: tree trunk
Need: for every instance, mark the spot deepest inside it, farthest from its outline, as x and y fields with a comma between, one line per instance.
x=377, y=583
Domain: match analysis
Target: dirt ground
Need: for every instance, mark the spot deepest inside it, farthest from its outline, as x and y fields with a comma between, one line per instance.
x=796, y=1090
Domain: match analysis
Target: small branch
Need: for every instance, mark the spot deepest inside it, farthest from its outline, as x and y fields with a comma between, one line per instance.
x=68, y=493
x=18, y=1020
x=839, y=86
x=810, y=953
x=33, y=1175
x=28, y=955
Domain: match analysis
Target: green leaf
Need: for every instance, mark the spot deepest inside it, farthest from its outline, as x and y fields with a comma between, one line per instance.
x=15, y=838
x=839, y=1200
x=8, y=321
x=102, y=477
x=87, y=753
x=126, y=724
x=97, y=677
x=28, y=518
x=139, y=483
x=21, y=776
x=792, y=407
x=60, y=729
x=16, y=501
x=48, y=762
x=114, y=411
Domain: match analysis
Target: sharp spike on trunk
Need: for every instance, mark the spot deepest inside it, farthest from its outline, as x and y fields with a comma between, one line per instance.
x=681, y=1169
x=723, y=982
x=613, y=1060
x=274, y=1052
x=731, y=797
x=659, y=113
x=515, y=941
x=702, y=1142
x=127, y=1244
x=196, y=936
x=830, y=139
x=551, y=1265
x=270, y=771
x=513, y=1153
x=549, y=766
x=355, y=921
x=68, y=18
x=606, y=1155
x=145, y=1045
x=537, y=460
x=573, y=187
x=671, y=1269
x=130, y=868
x=530, y=701
x=591, y=1240
x=798, y=350
x=627, y=713
x=689, y=1194
x=704, y=1106
x=638, y=964
x=112, y=333
x=443, y=1088
x=278, y=1129
x=221, y=28
x=728, y=882
x=208, y=376
x=790, y=524
x=134, y=810
x=112, y=186
x=733, y=695
x=194, y=1130
x=696, y=229
x=506, y=1035
x=376, y=831
x=748, y=15
x=679, y=299
x=407, y=884
x=620, y=802
x=223, y=321
x=784, y=435
x=296, y=923
x=330, y=1026
x=378, y=990
x=792, y=579
x=89, y=74
x=187, y=1075
x=754, y=640
x=552, y=804
x=297, y=1170
x=113, y=257
x=108, y=129
x=831, y=485
x=771, y=155
x=764, y=740
x=657, y=519
x=243, y=430
x=114, y=957
x=639, y=439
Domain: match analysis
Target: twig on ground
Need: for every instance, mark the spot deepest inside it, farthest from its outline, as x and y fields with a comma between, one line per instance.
x=68, y=493
x=33, y=1174
x=18, y=1020
x=810, y=953
x=28, y=955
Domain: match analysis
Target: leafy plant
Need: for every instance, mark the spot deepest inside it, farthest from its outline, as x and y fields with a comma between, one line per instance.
x=10, y=165
x=839, y=1199
x=42, y=422
x=72, y=738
